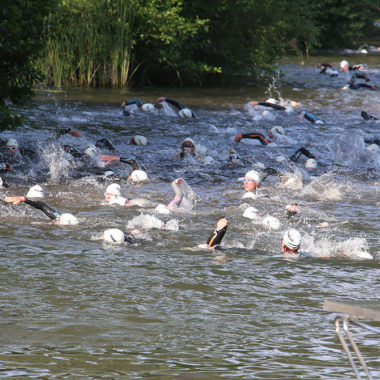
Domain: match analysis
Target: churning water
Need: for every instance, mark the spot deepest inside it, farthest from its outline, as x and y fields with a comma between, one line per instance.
x=75, y=307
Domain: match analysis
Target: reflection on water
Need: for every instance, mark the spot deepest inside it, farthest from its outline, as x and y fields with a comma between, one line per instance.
x=74, y=307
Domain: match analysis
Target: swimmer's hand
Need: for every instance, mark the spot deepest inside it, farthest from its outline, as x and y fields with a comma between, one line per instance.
x=252, y=104
x=75, y=133
x=178, y=181
x=108, y=159
x=238, y=138
x=222, y=222
x=292, y=208
x=15, y=200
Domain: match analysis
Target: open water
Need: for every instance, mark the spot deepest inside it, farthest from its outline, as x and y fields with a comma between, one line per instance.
x=74, y=307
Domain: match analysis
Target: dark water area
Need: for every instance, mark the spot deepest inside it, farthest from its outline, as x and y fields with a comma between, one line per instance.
x=73, y=306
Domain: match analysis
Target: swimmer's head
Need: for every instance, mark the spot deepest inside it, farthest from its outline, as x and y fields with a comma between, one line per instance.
x=344, y=65
x=187, y=147
x=373, y=148
x=162, y=209
x=277, y=130
x=91, y=151
x=251, y=180
x=147, y=107
x=11, y=146
x=138, y=176
x=114, y=236
x=185, y=113
x=280, y=159
x=272, y=222
x=35, y=191
x=272, y=101
x=68, y=220
x=251, y=213
x=291, y=241
x=310, y=164
x=138, y=140
x=113, y=189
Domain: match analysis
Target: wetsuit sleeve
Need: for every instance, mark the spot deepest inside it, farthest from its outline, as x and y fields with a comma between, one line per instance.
x=361, y=76
x=295, y=157
x=175, y=203
x=134, y=101
x=216, y=237
x=74, y=152
x=374, y=140
x=46, y=209
x=130, y=161
x=104, y=143
x=267, y=172
x=271, y=105
x=59, y=133
x=257, y=136
x=175, y=103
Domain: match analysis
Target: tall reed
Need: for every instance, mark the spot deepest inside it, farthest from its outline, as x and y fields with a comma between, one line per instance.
x=90, y=43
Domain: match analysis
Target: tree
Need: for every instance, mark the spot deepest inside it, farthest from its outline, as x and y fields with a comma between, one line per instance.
x=22, y=31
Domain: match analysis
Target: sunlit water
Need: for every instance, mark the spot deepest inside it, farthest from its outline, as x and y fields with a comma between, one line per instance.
x=74, y=307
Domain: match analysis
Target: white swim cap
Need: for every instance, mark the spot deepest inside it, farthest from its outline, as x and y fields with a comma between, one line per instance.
x=140, y=140
x=91, y=151
x=253, y=174
x=278, y=130
x=113, y=189
x=251, y=213
x=280, y=159
x=68, y=220
x=292, y=239
x=147, y=107
x=12, y=142
x=208, y=160
x=272, y=101
x=1, y=182
x=188, y=139
x=138, y=176
x=310, y=163
x=35, y=191
x=162, y=209
x=108, y=173
x=272, y=222
x=373, y=148
x=364, y=51
x=343, y=64
x=185, y=113
x=114, y=235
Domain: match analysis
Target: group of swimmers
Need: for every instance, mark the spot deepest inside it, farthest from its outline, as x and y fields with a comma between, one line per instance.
x=291, y=239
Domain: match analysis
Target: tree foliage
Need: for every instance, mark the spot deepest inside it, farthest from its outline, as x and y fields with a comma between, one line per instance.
x=22, y=30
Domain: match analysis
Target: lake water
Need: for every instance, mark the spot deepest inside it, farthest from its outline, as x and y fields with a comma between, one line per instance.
x=163, y=308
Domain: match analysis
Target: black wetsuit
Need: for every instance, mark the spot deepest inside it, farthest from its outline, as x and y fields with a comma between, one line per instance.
x=46, y=209
x=367, y=116
x=130, y=161
x=257, y=136
x=104, y=143
x=216, y=237
x=295, y=157
x=59, y=133
x=271, y=105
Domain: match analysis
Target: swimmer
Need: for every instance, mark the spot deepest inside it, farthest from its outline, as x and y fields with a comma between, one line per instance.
x=345, y=66
x=291, y=210
x=253, y=135
x=113, y=196
x=12, y=150
x=63, y=219
x=327, y=69
x=268, y=105
x=132, y=104
x=291, y=242
x=215, y=239
x=64, y=131
x=276, y=133
x=310, y=117
x=116, y=236
x=183, y=111
x=251, y=183
x=130, y=161
x=311, y=163
x=187, y=149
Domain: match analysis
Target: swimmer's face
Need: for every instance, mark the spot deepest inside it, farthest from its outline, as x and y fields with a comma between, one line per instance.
x=188, y=148
x=250, y=184
x=11, y=150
